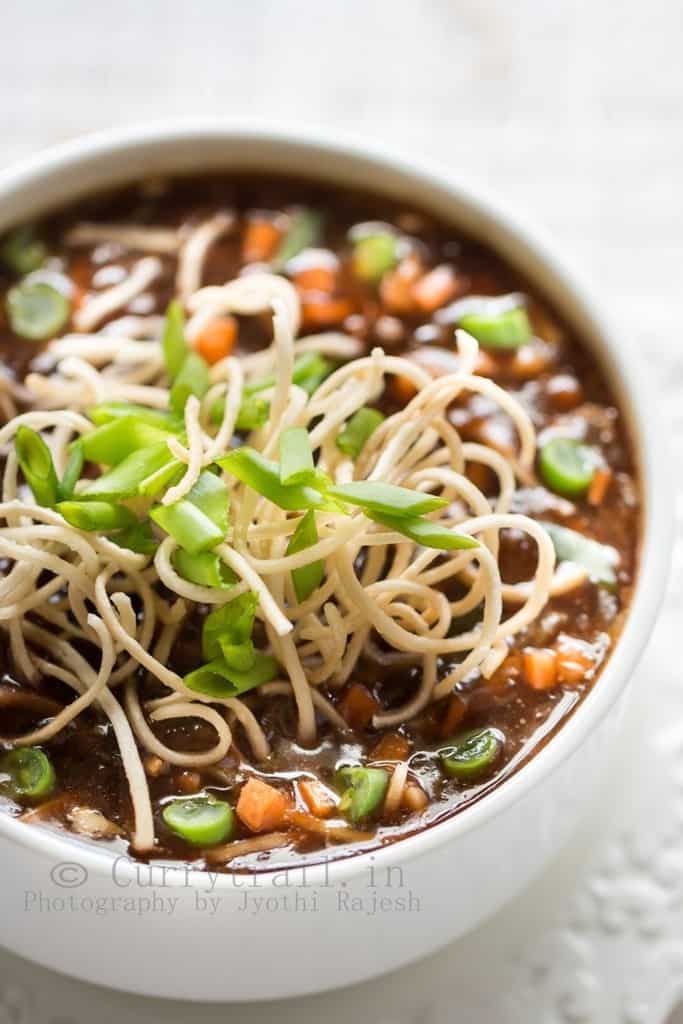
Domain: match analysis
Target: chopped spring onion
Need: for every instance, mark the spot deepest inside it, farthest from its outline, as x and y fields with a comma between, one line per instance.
x=253, y=412
x=503, y=330
x=72, y=472
x=374, y=255
x=296, y=457
x=472, y=754
x=198, y=521
x=163, y=478
x=35, y=461
x=188, y=525
x=173, y=343
x=309, y=577
x=200, y=820
x=205, y=569
x=364, y=792
x=30, y=774
x=567, y=466
x=217, y=679
x=96, y=515
x=36, y=310
x=113, y=442
x=263, y=476
x=304, y=230
x=108, y=411
x=425, y=532
x=192, y=379
x=358, y=431
x=227, y=632
x=22, y=251
x=124, y=479
x=599, y=560
x=386, y=499
x=138, y=538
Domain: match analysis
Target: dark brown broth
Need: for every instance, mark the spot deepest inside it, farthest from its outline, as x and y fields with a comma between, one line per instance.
x=85, y=755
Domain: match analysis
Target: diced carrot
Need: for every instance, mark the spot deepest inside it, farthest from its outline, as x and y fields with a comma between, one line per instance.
x=391, y=747
x=260, y=239
x=217, y=339
x=599, y=485
x=319, y=800
x=455, y=712
x=414, y=798
x=319, y=310
x=78, y=295
x=261, y=807
x=396, y=289
x=358, y=706
x=316, y=279
x=436, y=288
x=539, y=667
x=403, y=389
x=574, y=659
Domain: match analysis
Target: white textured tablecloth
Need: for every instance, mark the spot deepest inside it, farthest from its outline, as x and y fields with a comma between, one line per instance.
x=573, y=110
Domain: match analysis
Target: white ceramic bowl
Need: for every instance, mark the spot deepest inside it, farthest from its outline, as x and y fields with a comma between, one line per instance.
x=308, y=934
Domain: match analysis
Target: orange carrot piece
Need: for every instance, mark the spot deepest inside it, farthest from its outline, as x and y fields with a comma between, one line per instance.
x=396, y=289
x=316, y=279
x=436, y=288
x=261, y=807
x=403, y=389
x=358, y=706
x=318, y=310
x=539, y=666
x=319, y=800
x=599, y=485
x=455, y=712
x=414, y=798
x=391, y=747
x=260, y=240
x=217, y=339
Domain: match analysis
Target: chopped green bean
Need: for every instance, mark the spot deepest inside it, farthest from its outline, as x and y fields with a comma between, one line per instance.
x=200, y=820
x=364, y=791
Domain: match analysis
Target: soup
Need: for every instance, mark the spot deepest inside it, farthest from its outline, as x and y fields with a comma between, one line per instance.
x=317, y=522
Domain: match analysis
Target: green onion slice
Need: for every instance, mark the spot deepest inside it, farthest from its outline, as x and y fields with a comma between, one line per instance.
x=263, y=476
x=374, y=255
x=35, y=461
x=124, y=479
x=36, y=310
x=218, y=679
x=386, y=499
x=200, y=820
x=364, y=792
x=22, y=251
x=108, y=411
x=205, y=569
x=102, y=516
x=296, y=457
x=227, y=631
x=72, y=472
x=304, y=230
x=173, y=343
x=425, y=532
x=504, y=330
x=31, y=775
x=309, y=577
x=192, y=379
x=567, y=466
x=472, y=754
x=358, y=431
x=113, y=442
x=599, y=560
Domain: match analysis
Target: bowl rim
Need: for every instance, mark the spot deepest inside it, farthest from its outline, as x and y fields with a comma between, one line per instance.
x=656, y=515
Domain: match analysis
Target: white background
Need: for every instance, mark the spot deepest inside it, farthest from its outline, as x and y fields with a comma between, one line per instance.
x=574, y=111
